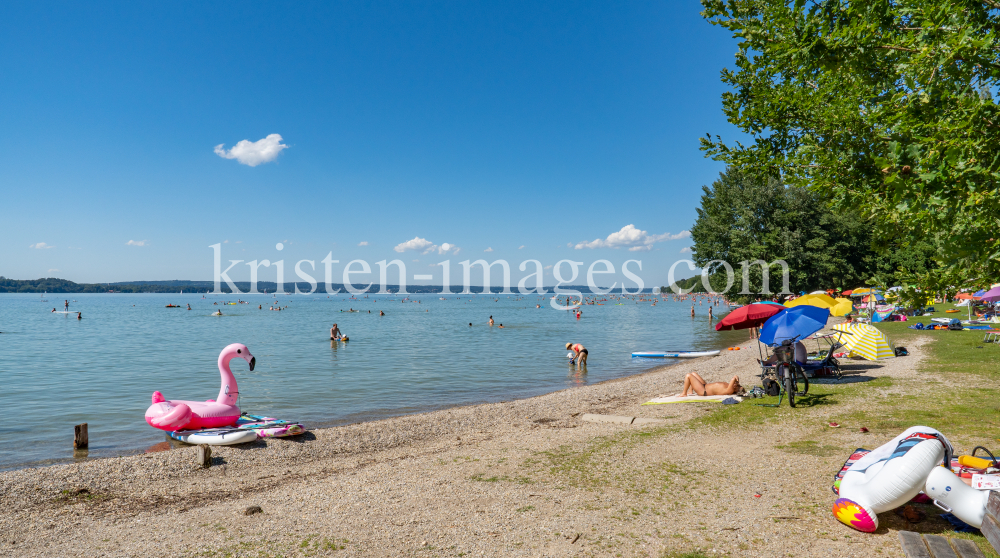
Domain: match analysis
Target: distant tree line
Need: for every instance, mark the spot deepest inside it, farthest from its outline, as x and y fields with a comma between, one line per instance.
x=54, y=285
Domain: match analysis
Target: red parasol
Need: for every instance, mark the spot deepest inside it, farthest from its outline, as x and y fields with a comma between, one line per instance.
x=746, y=317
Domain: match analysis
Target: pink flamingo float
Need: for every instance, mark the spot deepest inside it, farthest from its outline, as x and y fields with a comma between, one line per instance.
x=213, y=413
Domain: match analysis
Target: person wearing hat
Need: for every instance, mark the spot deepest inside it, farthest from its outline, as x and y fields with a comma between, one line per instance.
x=581, y=353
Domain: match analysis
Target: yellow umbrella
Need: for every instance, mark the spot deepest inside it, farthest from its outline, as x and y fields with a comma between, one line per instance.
x=865, y=341
x=818, y=300
x=843, y=307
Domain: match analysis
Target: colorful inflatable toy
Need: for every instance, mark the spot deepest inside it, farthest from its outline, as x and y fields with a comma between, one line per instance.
x=213, y=413
x=894, y=473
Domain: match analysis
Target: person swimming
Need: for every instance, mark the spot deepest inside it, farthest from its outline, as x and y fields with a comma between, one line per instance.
x=217, y=313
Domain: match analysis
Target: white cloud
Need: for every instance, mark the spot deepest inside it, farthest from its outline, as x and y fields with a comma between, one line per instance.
x=686, y=250
x=488, y=250
x=137, y=243
x=426, y=246
x=225, y=242
x=416, y=244
x=636, y=240
x=51, y=270
x=365, y=243
x=41, y=246
x=416, y=261
x=548, y=267
x=253, y=153
x=521, y=247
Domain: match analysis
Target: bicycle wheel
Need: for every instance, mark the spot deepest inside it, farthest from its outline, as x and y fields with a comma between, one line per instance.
x=790, y=387
x=803, y=380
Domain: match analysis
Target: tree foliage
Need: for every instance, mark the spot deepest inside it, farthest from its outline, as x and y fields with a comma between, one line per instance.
x=883, y=107
x=743, y=218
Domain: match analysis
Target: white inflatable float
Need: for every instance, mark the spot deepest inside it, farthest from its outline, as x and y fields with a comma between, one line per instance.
x=895, y=472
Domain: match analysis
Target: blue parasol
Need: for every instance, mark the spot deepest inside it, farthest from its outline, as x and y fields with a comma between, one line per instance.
x=797, y=322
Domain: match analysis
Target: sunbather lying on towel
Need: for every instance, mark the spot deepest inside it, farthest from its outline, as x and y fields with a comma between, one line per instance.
x=698, y=386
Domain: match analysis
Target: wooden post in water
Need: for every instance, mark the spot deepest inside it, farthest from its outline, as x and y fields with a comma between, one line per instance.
x=204, y=456
x=80, y=437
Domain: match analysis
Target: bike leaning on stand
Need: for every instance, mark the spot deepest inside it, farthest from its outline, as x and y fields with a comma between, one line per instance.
x=790, y=375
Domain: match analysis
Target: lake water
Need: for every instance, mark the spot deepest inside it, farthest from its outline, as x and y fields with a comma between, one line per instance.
x=57, y=371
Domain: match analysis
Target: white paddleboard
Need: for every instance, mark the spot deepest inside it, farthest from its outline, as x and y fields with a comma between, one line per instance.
x=215, y=437
x=675, y=354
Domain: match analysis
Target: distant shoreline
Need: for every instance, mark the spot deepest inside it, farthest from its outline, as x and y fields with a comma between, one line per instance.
x=63, y=286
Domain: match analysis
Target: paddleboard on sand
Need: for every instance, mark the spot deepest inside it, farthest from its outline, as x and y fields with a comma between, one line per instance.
x=675, y=354
x=215, y=436
x=269, y=427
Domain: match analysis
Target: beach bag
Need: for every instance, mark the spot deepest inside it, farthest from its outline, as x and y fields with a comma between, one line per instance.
x=901, y=351
x=771, y=387
x=955, y=325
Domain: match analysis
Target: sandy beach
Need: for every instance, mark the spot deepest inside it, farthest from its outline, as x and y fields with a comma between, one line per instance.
x=521, y=478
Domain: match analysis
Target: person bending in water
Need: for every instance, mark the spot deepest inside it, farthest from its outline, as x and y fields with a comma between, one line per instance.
x=581, y=353
x=335, y=332
x=698, y=386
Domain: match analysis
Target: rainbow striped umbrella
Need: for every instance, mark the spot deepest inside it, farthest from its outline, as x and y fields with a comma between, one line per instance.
x=865, y=341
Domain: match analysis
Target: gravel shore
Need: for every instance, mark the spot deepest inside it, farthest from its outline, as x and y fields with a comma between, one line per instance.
x=518, y=478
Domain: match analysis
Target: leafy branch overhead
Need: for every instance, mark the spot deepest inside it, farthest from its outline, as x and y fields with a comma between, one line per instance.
x=885, y=108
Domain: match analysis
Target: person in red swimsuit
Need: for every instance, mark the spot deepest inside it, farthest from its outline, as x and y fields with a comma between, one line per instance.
x=581, y=353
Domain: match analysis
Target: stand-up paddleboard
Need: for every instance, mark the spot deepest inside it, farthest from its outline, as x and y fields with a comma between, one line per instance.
x=269, y=427
x=215, y=436
x=675, y=354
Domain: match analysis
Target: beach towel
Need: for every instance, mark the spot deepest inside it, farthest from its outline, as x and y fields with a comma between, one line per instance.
x=664, y=399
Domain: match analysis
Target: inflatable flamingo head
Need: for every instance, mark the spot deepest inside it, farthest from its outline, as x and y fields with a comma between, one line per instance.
x=238, y=350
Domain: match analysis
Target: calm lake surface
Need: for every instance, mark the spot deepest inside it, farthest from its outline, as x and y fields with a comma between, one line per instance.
x=57, y=371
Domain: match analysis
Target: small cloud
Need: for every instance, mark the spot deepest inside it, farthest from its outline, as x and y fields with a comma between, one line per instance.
x=253, y=153
x=364, y=243
x=548, y=267
x=51, y=270
x=488, y=250
x=41, y=246
x=137, y=243
x=225, y=242
x=416, y=244
x=239, y=242
x=521, y=247
x=636, y=240
x=416, y=261
x=686, y=250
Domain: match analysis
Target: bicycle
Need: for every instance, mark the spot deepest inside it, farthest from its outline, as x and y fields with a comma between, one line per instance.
x=789, y=373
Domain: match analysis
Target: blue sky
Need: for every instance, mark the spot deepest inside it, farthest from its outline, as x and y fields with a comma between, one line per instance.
x=481, y=125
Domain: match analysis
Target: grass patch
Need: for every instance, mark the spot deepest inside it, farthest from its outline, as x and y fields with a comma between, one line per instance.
x=810, y=447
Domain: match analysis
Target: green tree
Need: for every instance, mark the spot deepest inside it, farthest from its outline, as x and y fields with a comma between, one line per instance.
x=743, y=218
x=884, y=107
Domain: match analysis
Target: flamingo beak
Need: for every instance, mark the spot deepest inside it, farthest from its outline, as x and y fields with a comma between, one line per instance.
x=253, y=362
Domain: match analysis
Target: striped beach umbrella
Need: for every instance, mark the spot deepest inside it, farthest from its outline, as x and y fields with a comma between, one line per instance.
x=865, y=341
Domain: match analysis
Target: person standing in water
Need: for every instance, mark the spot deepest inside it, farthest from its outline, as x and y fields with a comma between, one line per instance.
x=335, y=332
x=491, y=321
x=709, y=313
x=581, y=353
x=692, y=310
x=66, y=305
